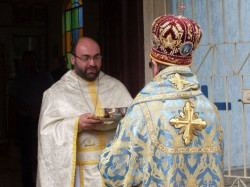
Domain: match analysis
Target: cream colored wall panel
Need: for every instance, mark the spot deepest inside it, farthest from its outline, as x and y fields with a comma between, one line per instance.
x=151, y=10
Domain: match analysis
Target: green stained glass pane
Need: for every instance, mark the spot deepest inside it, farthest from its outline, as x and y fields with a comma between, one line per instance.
x=69, y=65
x=75, y=18
x=68, y=20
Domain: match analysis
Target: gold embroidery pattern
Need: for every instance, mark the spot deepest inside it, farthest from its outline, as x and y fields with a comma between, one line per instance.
x=189, y=30
x=198, y=32
x=176, y=69
x=98, y=111
x=178, y=81
x=192, y=34
x=149, y=147
x=188, y=123
x=177, y=165
x=170, y=150
x=90, y=145
x=175, y=95
x=101, y=139
x=169, y=42
x=183, y=61
x=165, y=96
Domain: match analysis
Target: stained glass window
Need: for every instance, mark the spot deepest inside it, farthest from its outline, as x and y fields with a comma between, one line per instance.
x=72, y=25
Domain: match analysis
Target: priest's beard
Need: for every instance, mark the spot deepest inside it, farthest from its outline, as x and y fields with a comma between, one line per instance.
x=83, y=73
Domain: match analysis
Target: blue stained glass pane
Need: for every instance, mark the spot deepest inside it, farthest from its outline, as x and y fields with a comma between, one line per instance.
x=75, y=35
x=68, y=20
x=75, y=5
x=75, y=17
x=80, y=17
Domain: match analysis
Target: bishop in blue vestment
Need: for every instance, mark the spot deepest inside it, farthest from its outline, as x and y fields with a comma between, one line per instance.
x=171, y=134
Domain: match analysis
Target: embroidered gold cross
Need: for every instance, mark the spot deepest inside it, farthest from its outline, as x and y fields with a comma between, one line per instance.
x=188, y=123
x=178, y=81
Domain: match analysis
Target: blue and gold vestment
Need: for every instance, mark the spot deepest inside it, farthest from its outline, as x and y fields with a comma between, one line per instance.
x=170, y=136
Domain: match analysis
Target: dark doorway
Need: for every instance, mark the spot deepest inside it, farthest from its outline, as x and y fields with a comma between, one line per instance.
x=118, y=27
x=123, y=41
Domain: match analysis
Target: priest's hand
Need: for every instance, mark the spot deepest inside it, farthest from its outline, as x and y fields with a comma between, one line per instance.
x=86, y=123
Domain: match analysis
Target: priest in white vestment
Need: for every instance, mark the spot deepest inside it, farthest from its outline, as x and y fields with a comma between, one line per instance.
x=69, y=141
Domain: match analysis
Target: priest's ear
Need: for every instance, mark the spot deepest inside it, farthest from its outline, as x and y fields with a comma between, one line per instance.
x=154, y=68
x=72, y=59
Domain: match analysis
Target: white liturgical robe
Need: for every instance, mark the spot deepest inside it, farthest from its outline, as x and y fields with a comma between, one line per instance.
x=66, y=157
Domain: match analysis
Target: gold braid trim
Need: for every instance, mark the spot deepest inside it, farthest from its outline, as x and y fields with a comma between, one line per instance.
x=81, y=176
x=74, y=152
x=167, y=60
x=165, y=96
x=89, y=162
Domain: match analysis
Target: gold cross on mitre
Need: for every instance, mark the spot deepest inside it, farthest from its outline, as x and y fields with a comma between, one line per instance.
x=188, y=122
x=181, y=7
